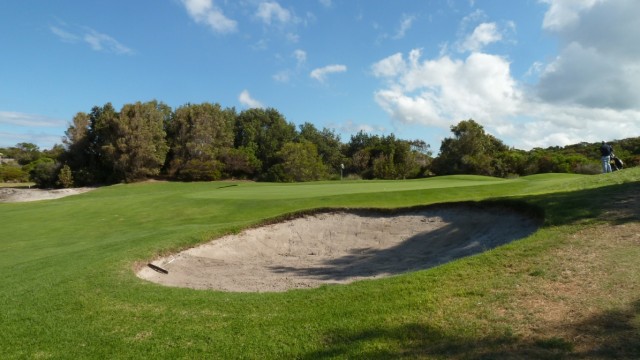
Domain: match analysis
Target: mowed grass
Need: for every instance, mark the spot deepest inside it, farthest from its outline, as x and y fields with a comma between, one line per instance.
x=68, y=287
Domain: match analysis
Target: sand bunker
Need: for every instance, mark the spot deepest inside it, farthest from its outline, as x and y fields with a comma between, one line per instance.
x=339, y=248
x=22, y=195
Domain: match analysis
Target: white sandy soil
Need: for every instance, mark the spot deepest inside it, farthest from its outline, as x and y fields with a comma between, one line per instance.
x=21, y=194
x=339, y=248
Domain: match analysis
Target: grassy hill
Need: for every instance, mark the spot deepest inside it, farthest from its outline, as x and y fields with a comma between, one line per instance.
x=68, y=288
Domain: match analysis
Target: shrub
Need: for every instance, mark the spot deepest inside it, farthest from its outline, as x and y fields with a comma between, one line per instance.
x=65, y=178
x=44, y=172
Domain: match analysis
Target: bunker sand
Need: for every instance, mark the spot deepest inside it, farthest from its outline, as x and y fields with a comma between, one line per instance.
x=340, y=247
x=10, y=195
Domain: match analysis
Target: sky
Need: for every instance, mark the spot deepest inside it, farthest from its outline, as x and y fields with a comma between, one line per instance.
x=533, y=73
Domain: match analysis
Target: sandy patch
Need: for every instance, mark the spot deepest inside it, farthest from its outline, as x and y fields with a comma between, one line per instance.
x=22, y=195
x=339, y=248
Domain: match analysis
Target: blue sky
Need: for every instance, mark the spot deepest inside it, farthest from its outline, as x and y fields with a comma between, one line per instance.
x=534, y=73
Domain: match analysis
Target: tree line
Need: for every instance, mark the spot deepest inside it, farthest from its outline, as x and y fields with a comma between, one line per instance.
x=204, y=142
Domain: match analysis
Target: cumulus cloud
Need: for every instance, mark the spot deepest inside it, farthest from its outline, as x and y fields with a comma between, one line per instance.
x=444, y=91
x=589, y=92
x=320, y=74
x=565, y=13
x=597, y=66
x=96, y=40
x=205, y=12
x=248, y=101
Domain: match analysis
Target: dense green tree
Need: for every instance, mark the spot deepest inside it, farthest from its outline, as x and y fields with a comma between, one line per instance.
x=328, y=145
x=78, y=153
x=102, y=137
x=240, y=163
x=387, y=157
x=201, y=138
x=24, y=153
x=140, y=147
x=470, y=151
x=207, y=142
x=514, y=163
x=361, y=150
x=263, y=132
x=300, y=162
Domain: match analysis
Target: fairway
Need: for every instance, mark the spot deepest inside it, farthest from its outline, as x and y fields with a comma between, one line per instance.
x=69, y=287
x=267, y=191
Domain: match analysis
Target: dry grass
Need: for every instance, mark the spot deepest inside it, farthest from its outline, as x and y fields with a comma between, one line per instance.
x=585, y=300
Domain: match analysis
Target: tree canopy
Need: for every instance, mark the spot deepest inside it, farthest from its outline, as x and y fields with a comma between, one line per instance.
x=203, y=142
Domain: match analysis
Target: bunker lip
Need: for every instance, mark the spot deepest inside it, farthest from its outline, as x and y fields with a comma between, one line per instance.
x=311, y=249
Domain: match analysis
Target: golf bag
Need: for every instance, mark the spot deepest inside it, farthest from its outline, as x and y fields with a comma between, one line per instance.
x=616, y=163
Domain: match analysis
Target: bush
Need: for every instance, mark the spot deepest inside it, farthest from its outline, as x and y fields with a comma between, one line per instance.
x=65, y=178
x=13, y=173
x=200, y=170
x=588, y=169
x=44, y=173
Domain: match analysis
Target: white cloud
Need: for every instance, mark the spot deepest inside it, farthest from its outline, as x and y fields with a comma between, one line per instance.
x=597, y=66
x=484, y=34
x=64, y=35
x=390, y=66
x=96, y=40
x=292, y=37
x=16, y=127
x=565, y=13
x=282, y=76
x=301, y=56
x=552, y=125
x=246, y=100
x=405, y=25
x=589, y=92
x=205, y=12
x=320, y=74
x=326, y=3
x=535, y=69
x=28, y=120
x=269, y=12
x=41, y=139
x=349, y=127
x=443, y=91
x=103, y=42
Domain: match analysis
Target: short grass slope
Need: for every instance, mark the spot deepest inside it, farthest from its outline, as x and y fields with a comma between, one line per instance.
x=68, y=287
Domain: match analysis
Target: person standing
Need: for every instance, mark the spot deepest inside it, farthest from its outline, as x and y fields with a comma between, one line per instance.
x=606, y=150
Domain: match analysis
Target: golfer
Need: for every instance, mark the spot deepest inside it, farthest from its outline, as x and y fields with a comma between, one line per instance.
x=605, y=151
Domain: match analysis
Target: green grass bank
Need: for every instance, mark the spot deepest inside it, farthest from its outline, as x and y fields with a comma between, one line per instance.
x=571, y=290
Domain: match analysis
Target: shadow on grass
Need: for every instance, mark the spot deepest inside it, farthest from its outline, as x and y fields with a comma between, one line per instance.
x=610, y=335
x=618, y=204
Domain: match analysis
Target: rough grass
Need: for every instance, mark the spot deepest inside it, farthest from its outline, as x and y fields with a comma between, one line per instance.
x=571, y=290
